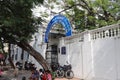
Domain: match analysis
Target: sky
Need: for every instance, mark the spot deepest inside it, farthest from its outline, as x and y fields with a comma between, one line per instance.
x=39, y=10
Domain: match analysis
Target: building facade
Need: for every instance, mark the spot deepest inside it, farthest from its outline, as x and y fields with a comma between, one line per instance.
x=93, y=54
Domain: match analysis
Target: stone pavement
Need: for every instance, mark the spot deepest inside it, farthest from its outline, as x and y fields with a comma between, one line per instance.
x=67, y=79
x=9, y=75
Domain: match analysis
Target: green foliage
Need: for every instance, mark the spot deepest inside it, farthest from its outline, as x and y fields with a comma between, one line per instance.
x=16, y=21
x=87, y=14
x=71, y=2
x=79, y=18
x=94, y=14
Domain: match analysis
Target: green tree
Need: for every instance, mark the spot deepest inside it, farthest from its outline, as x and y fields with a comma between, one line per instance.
x=17, y=25
x=94, y=14
x=90, y=14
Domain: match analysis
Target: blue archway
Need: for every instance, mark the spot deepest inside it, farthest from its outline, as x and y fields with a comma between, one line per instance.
x=62, y=20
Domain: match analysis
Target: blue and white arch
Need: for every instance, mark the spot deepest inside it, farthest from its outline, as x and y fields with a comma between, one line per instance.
x=62, y=20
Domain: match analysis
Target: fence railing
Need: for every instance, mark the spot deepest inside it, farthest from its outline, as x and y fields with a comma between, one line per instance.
x=107, y=31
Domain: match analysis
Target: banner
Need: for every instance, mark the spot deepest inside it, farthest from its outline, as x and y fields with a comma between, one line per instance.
x=62, y=20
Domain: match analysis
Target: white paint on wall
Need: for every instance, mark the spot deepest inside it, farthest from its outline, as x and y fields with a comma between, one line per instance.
x=97, y=56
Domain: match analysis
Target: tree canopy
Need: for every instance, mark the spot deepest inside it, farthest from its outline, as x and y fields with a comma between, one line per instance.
x=16, y=20
x=17, y=25
x=88, y=14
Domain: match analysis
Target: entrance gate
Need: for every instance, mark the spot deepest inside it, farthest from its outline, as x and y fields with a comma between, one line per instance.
x=52, y=55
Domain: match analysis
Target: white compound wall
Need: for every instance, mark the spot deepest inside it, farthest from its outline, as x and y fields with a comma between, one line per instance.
x=94, y=54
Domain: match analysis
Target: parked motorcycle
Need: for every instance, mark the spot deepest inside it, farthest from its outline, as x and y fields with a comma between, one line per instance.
x=64, y=71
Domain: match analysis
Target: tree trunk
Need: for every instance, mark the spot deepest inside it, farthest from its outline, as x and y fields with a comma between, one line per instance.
x=35, y=54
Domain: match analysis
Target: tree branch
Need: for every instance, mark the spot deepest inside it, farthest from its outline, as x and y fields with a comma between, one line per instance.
x=83, y=5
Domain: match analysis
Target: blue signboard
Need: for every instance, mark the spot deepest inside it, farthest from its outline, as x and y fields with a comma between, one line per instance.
x=62, y=20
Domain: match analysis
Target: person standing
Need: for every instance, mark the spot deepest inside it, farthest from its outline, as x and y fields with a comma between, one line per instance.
x=32, y=77
x=16, y=72
x=40, y=74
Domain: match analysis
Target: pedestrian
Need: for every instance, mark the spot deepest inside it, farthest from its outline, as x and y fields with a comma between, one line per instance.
x=44, y=76
x=36, y=73
x=40, y=74
x=16, y=72
x=0, y=72
x=26, y=65
x=32, y=77
x=49, y=76
x=23, y=78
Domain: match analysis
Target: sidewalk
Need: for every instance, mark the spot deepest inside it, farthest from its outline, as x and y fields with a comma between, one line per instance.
x=8, y=75
x=66, y=79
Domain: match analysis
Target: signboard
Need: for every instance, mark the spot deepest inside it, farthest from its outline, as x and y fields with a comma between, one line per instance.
x=62, y=20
